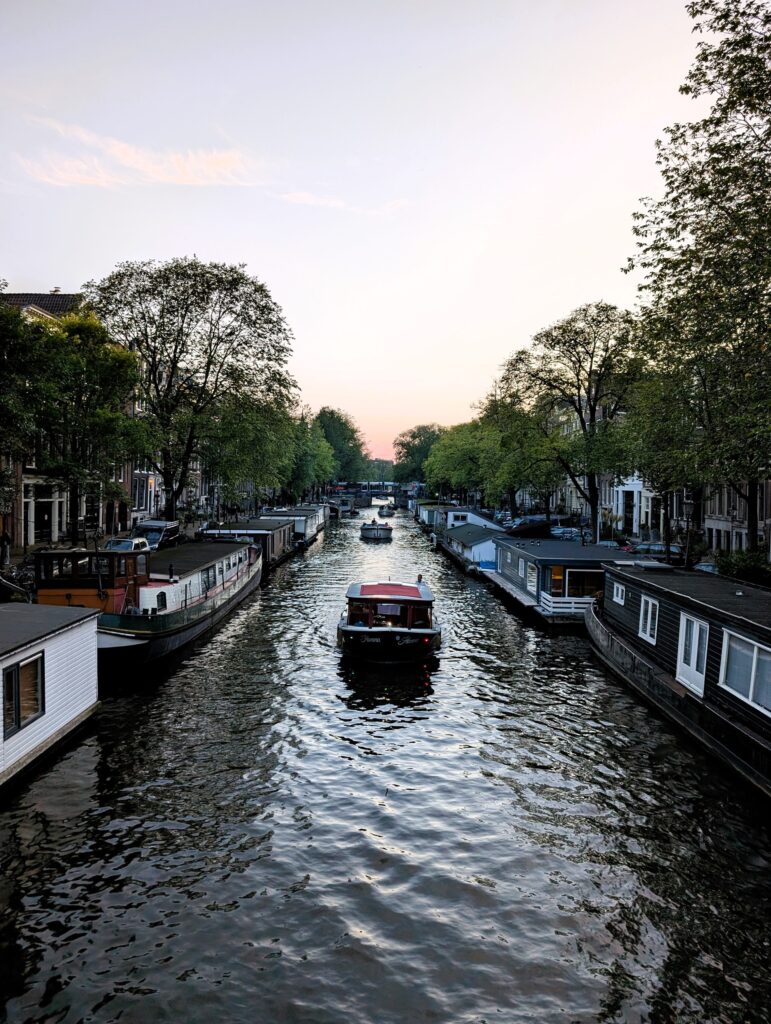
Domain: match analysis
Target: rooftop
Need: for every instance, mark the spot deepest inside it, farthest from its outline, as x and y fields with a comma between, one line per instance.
x=469, y=533
x=390, y=590
x=53, y=303
x=727, y=597
x=187, y=558
x=550, y=550
x=23, y=624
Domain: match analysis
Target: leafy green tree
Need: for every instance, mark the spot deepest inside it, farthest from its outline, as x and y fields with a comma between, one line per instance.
x=411, y=450
x=313, y=458
x=204, y=333
x=84, y=425
x=703, y=247
x=347, y=443
x=379, y=469
x=574, y=381
x=454, y=461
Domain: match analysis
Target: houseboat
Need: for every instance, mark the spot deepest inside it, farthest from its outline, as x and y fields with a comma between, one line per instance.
x=274, y=536
x=471, y=547
x=48, y=664
x=389, y=622
x=376, y=531
x=150, y=604
x=555, y=579
x=308, y=521
x=698, y=647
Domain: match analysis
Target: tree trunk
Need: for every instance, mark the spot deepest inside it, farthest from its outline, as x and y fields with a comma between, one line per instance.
x=752, y=515
x=594, y=502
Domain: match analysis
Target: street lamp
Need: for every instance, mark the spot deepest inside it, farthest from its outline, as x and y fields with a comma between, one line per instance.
x=688, y=510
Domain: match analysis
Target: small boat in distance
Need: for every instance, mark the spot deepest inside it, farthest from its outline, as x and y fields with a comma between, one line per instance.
x=386, y=510
x=376, y=531
x=389, y=622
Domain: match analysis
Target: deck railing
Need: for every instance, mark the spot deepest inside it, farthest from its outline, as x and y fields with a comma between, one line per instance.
x=564, y=605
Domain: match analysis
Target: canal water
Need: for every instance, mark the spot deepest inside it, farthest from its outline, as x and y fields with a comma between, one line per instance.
x=264, y=834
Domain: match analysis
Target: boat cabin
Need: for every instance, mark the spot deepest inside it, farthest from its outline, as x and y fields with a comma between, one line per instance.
x=404, y=605
x=48, y=666
x=275, y=536
x=105, y=580
x=557, y=579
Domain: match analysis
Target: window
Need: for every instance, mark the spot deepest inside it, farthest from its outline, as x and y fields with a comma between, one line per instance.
x=160, y=601
x=649, y=617
x=532, y=578
x=23, y=694
x=745, y=670
x=521, y=567
x=692, y=653
x=619, y=593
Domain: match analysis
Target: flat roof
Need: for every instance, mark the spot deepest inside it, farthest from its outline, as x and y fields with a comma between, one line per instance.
x=551, y=550
x=724, y=596
x=471, y=533
x=388, y=589
x=187, y=558
x=23, y=624
x=249, y=526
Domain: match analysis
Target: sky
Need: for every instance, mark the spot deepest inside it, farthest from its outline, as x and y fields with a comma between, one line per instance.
x=421, y=184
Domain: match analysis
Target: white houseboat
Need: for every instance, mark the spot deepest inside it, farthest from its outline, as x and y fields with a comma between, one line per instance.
x=389, y=621
x=48, y=664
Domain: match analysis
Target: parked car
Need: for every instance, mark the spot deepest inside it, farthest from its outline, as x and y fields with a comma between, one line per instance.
x=616, y=545
x=658, y=550
x=159, y=533
x=706, y=567
x=126, y=544
x=571, y=533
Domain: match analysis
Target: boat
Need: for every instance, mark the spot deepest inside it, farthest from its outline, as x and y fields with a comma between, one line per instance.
x=389, y=621
x=376, y=531
x=150, y=604
x=386, y=510
x=697, y=647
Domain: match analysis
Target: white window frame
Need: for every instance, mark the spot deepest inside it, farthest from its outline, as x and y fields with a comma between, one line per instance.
x=619, y=593
x=521, y=568
x=724, y=659
x=532, y=578
x=648, y=605
x=687, y=674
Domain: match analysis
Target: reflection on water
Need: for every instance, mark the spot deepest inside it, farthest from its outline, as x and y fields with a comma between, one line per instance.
x=269, y=832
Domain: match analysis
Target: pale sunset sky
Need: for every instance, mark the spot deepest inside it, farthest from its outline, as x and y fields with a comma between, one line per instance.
x=421, y=184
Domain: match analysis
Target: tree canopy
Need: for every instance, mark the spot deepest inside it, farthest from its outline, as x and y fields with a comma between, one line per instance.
x=411, y=450
x=207, y=334
x=347, y=443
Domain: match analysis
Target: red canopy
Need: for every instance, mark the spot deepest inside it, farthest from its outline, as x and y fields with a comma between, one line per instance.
x=390, y=590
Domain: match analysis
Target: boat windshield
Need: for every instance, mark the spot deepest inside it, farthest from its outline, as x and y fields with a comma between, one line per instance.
x=389, y=613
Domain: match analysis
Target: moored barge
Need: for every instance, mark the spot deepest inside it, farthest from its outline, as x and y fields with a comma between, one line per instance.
x=698, y=647
x=150, y=604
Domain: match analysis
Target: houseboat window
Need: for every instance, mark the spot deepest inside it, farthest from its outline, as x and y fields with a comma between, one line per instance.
x=421, y=617
x=584, y=582
x=649, y=618
x=619, y=593
x=508, y=556
x=23, y=694
x=692, y=653
x=100, y=566
x=120, y=566
x=208, y=578
x=388, y=614
x=141, y=563
x=227, y=565
x=532, y=578
x=557, y=574
x=746, y=670
x=521, y=567
x=65, y=567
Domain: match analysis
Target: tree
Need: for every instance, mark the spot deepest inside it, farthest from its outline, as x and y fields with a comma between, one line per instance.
x=454, y=459
x=313, y=458
x=347, y=443
x=573, y=382
x=704, y=247
x=411, y=450
x=379, y=470
x=205, y=333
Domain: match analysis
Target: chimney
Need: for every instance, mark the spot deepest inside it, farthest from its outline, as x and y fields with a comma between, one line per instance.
x=56, y=290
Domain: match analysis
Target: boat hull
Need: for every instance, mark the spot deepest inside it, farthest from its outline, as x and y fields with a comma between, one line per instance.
x=376, y=532
x=388, y=644
x=127, y=641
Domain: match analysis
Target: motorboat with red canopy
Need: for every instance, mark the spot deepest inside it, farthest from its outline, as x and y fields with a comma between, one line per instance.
x=389, y=621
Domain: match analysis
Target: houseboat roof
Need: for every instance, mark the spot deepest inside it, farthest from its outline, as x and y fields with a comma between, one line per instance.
x=188, y=558
x=389, y=591
x=469, y=534
x=726, y=597
x=23, y=624
x=562, y=552
x=466, y=510
x=260, y=525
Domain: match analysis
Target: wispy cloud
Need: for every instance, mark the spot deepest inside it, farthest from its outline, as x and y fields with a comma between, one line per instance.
x=100, y=160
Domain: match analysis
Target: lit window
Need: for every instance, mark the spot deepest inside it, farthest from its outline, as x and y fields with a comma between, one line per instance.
x=23, y=694
x=619, y=593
